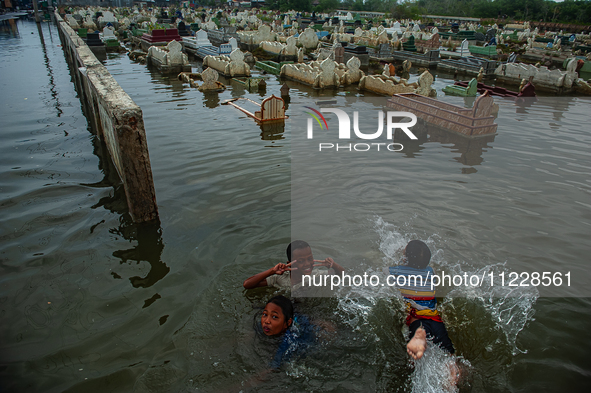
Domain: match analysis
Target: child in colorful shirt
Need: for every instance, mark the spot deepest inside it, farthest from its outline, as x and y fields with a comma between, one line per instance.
x=423, y=319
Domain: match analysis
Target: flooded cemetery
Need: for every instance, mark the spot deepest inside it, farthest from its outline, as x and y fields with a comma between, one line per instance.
x=155, y=158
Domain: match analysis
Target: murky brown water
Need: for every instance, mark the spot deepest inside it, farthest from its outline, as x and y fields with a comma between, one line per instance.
x=91, y=302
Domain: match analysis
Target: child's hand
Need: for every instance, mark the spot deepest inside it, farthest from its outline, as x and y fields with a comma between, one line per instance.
x=281, y=268
x=328, y=262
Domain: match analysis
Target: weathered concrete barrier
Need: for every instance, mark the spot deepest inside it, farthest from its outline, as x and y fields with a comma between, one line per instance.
x=118, y=120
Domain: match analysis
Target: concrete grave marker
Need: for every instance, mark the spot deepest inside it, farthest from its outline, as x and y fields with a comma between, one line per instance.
x=233, y=43
x=175, y=56
x=209, y=77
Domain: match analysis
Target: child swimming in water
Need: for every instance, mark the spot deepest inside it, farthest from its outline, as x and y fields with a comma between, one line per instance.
x=278, y=319
x=294, y=332
x=300, y=262
x=423, y=319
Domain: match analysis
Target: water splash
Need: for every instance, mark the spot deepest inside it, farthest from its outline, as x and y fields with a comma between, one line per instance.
x=438, y=372
x=483, y=321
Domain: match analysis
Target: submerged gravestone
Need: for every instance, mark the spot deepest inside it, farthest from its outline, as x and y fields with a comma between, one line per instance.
x=175, y=54
x=210, y=78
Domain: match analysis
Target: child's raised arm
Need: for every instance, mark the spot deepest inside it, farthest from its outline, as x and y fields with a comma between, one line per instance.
x=260, y=279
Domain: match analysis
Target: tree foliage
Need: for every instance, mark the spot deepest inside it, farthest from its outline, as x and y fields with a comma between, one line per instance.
x=568, y=11
x=287, y=5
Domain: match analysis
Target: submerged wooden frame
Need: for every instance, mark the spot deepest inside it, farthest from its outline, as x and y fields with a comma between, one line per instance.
x=272, y=109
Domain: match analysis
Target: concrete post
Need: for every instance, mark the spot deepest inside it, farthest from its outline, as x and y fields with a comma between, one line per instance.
x=118, y=121
x=35, y=7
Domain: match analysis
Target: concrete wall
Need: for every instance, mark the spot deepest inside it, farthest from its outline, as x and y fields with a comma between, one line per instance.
x=117, y=120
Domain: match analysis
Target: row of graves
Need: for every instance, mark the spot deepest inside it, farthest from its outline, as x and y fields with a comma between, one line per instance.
x=562, y=62
x=330, y=57
x=97, y=28
x=322, y=59
x=332, y=54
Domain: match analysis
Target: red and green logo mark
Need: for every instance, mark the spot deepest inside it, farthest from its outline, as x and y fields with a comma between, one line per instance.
x=316, y=117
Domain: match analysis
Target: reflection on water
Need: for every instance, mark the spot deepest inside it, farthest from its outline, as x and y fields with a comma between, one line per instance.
x=470, y=150
x=272, y=131
x=54, y=95
x=522, y=106
x=211, y=99
x=148, y=248
x=9, y=27
x=66, y=236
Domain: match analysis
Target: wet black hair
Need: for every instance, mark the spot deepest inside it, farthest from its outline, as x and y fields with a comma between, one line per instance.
x=418, y=254
x=295, y=245
x=285, y=305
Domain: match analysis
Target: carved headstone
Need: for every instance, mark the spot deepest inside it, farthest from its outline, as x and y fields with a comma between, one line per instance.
x=353, y=64
x=463, y=49
x=382, y=37
x=327, y=73
x=201, y=38
x=107, y=17
x=384, y=50
x=237, y=65
x=210, y=78
x=406, y=65
x=290, y=48
x=175, y=56
x=89, y=23
x=425, y=82
x=108, y=34
x=182, y=29
x=308, y=39
x=386, y=71
x=263, y=34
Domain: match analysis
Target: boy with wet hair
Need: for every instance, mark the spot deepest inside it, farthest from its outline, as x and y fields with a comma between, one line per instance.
x=417, y=254
x=423, y=319
x=300, y=262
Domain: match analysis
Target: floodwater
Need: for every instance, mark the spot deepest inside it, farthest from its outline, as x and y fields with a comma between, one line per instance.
x=89, y=301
